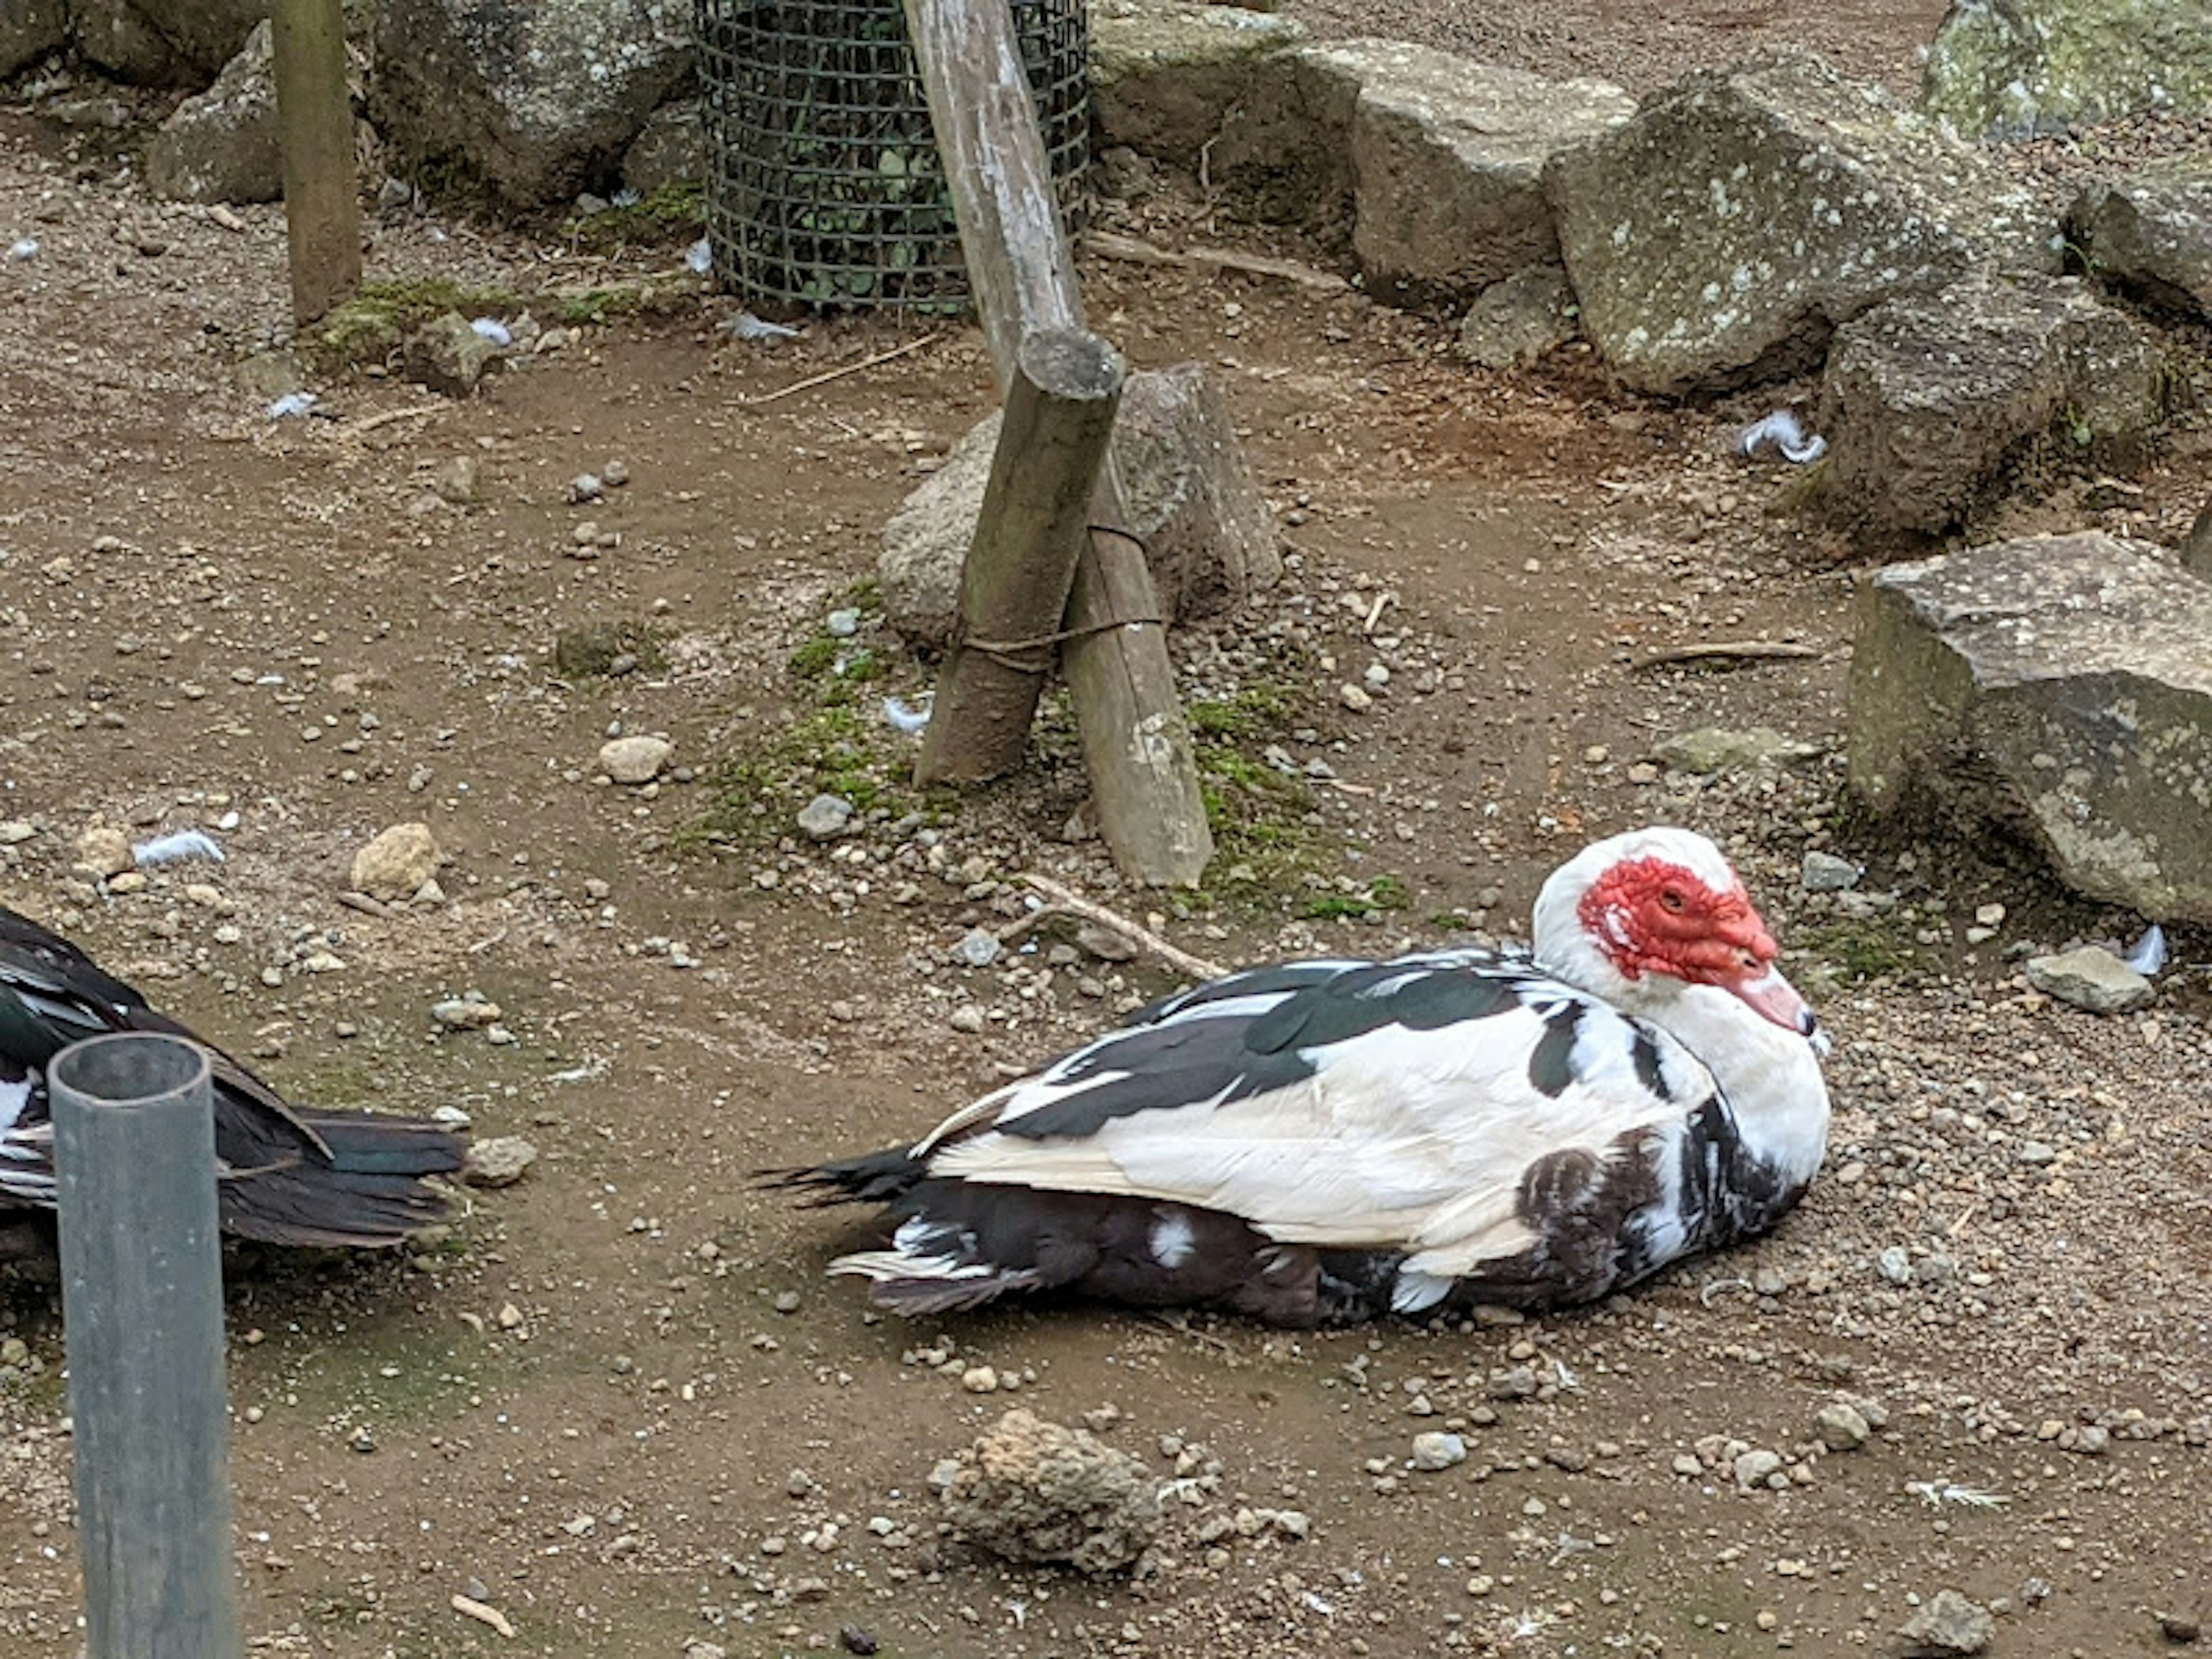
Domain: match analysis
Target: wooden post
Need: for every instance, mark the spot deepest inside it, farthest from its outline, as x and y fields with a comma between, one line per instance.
x=314, y=116
x=142, y=1305
x=1032, y=531
x=1136, y=744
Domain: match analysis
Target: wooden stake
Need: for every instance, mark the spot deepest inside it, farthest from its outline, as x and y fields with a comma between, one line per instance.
x=1136, y=744
x=315, y=114
x=1029, y=538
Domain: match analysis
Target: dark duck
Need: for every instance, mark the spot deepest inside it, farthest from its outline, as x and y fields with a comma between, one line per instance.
x=1333, y=1140
x=288, y=1176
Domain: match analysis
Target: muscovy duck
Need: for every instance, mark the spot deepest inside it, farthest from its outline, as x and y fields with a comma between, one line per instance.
x=289, y=1176
x=1326, y=1141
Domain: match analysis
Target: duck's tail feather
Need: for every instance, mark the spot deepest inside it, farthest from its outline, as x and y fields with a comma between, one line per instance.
x=372, y=1194
x=872, y=1178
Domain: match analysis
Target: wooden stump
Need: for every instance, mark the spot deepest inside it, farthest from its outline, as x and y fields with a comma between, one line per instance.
x=315, y=118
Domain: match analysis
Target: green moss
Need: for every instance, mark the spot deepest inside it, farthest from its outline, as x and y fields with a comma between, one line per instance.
x=828, y=749
x=1263, y=710
x=1383, y=894
x=592, y=650
x=1856, y=951
x=370, y=325
x=677, y=212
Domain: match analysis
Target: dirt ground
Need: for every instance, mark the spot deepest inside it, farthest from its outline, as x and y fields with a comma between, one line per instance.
x=621, y=1404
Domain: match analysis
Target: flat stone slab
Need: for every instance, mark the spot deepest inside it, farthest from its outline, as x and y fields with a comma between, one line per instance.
x=1166, y=75
x=2014, y=67
x=2059, y=687
x=1723, y=235
x=2151, y=230
x=1928, y=397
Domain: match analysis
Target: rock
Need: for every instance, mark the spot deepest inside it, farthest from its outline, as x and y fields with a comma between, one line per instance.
x=163, y=43
x=1894, y=1264
x=29, y=29
x=105, y=851
x=499, y=1162
x=268, y=375
x=1163, y=73
x=223, y=145
x=455, y=480
x=1720, y=235
x=1751, y=1467
x=2180, y=1631
x=1514, y=322
x=397, y=862
x=2196, y=545
x=2056, y=685
x=1030, y=1490
x=1437, y=1451
x=979, y=947
x=2150, y=230
x=447, y=354
x=1948, y=1624
x=1209, y=536
x=2091, y=978
x=468, y=1013
x=1824, y=872
x=2025, y=66
x=825, y=816
x=1448, y=159
x=1928, y=398
x=635, y=760
x=14, y=832
x=538, y=97
x=1842, y=1427
x=669, y=149
x=1712, y=749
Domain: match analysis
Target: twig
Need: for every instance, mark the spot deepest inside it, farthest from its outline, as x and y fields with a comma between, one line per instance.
x=390, y=417
x=364, y=904
x=830, y=375
x=1134, y=250
x=1725, y=650
x=468, y=1607
x=1075, y=904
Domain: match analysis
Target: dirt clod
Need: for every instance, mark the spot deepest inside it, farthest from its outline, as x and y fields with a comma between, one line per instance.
x=1036, y=1491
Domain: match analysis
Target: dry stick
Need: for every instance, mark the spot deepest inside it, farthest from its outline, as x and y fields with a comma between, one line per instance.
x=1015, y=580
x=1075, y=904
x=1134, y=250
x=468, y=1607
x=830, y=375
x=1725, y=650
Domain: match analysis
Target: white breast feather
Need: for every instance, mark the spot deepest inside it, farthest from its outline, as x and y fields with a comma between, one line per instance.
x=1402, y=1139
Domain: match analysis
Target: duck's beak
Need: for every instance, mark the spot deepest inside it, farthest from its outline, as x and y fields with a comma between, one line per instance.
x=1774, y=998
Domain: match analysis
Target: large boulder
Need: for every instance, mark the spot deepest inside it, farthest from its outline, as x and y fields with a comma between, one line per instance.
x=1448, y=162
x=2020, y=66
x=2151, y=231
x=1209, y=536
x=163, y=43
x=224, y=145
x=1929, y=397
x=2059, y=687
x=537, y=98
x=1724, y=234
x=29, y=29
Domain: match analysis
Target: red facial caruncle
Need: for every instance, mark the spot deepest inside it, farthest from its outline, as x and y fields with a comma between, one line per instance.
x=1650, y=916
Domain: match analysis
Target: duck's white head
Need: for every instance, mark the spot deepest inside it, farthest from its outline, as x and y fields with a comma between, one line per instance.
x=1639, y=916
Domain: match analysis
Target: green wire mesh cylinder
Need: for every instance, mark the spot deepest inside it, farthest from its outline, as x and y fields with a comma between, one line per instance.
x=824, y=189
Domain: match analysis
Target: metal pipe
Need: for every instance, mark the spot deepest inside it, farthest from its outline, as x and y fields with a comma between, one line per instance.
x=142, y=1300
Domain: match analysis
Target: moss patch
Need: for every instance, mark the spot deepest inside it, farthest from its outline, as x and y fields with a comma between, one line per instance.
x=594, y=649
x=677, y=212
x=1854, y=951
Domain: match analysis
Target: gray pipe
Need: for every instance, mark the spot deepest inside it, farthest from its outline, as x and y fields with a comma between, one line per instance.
x=142, y=1299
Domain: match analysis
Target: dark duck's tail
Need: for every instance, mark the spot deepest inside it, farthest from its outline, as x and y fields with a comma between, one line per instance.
x=289, y=1176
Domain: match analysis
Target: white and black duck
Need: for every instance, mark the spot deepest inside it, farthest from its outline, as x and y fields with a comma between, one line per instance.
x=1326, y=1141
x=288, y=1176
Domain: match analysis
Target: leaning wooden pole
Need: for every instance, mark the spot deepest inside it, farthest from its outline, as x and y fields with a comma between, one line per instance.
x=142, y=1306
x=1136, y=744
x=314, y=120
x=1029, y=538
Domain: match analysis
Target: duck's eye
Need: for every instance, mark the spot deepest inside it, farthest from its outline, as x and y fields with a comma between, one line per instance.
x=1670, y=899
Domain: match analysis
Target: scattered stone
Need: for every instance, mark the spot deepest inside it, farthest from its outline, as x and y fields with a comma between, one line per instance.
x=1948, y=1624
x=2092, y=978
x=824, y=817
x=1711, y=748
x=586, y=487
x=447, y=356
x=455, y=480
x=2056, y=684
x=1719, y=235
x=1514, y=322
x=635, y=760
x=1208, y=533
x=1030, y=1490
x=397, y=862
x=1753, y=1467
x=14, y=832
x=1930, y=398
x=1161, y=72
x=1895, y=1264
x=843, y=624
x=1842, y=1426
x=979, y=1379
x=2150, y=230
x=2182, y=1633
x=105, y=851
x=1824, y=872
x=469, y=1014
x=499, y=1162
x=1437, y=1451
x=968, y=1019
x=222, y=145
x=2031, y=66
x=979, y=947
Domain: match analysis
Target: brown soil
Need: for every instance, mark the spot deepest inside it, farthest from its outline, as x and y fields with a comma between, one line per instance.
x=621, y=1400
